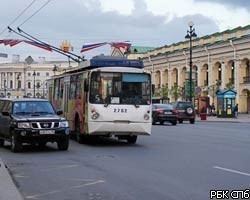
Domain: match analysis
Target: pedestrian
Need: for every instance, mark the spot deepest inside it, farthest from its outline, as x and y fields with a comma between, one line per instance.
x=213, y=109
x=236, y=110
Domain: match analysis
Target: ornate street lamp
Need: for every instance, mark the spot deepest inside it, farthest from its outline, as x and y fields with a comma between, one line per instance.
x=34, y=83
x=55, y=69
x=190, y=35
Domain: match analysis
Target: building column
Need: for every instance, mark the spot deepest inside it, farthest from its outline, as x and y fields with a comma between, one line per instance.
x=161, y=78
x=24, y=74
x=1, y=85
x=210, y=75
x=179, y=81
x=210, y=79
x=169, y=82
x=223, y=72
x=14, y=80
x=236, y=80
x=199, y=76
x=7, y=80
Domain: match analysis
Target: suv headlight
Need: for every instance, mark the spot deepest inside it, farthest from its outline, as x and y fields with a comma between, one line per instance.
x=63, y=124
x=23, y=125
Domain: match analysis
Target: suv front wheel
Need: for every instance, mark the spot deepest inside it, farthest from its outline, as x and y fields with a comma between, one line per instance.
x=1, y=142
x=63, y=145
x=15, y=144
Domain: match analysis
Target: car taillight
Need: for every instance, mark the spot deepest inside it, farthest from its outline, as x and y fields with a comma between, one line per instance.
x=160, y=111
x=175, y=111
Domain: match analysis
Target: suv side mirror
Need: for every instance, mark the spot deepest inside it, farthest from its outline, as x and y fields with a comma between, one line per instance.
x=59, y=112
x=5, y=113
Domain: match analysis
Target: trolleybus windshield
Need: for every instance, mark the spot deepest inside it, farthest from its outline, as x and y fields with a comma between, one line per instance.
x=120, y=88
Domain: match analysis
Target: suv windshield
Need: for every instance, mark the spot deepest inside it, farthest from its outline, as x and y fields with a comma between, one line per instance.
x=183, y=105
x=120, y=88
x=28, y=107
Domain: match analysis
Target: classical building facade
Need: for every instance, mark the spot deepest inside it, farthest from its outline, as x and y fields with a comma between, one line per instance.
x=220, y=61
x=20, y=79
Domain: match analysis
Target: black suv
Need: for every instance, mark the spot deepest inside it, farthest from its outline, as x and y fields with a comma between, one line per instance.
x=32, y=121
x=186, y=111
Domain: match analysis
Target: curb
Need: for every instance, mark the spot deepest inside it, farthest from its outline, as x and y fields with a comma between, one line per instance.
x=8, y=189
x=220, y=121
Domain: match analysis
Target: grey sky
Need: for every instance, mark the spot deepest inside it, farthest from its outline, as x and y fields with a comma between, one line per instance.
x=89, y=21
x=238, y=3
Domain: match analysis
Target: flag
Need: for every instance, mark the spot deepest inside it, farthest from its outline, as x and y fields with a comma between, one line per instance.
x=92, y=46
x=119, y=45
x=11, y=42
x=40, y=45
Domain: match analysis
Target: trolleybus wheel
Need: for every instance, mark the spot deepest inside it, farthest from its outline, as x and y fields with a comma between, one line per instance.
x=132, y=139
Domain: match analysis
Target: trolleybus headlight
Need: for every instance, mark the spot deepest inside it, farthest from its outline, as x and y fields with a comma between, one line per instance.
x=23, y=125
x=95, y=115
x=146, y=117
x=63, y=124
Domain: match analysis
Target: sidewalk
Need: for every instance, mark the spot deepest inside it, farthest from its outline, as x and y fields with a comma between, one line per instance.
x=8, y=190
x=242, y=118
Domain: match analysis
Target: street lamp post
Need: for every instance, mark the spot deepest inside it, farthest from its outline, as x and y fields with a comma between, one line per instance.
x=34, y=83
x=17, y=85
x=190, y=35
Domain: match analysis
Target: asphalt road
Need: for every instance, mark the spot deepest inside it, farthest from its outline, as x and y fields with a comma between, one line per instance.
x=176, y=162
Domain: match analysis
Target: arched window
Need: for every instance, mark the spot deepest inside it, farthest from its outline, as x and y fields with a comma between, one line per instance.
x=29, y=85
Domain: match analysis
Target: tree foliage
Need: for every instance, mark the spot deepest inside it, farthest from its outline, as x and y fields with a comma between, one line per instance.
x=176, y=92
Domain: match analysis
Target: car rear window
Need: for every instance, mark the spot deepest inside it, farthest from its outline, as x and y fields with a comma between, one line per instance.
x=163, y=106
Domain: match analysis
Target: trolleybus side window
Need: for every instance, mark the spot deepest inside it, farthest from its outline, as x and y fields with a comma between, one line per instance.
x=79, y=86
x=61, y=88
x=56, y=89
x=73, y=81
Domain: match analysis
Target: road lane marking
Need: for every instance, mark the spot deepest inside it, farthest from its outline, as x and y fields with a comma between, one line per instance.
x=78, y=179
x=36, y=196
x=231, y=170
x=86, y=184
x=60, y=167
x=20, y=176
x=40, y=195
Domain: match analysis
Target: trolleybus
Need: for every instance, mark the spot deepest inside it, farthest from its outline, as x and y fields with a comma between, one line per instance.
x=105, y=96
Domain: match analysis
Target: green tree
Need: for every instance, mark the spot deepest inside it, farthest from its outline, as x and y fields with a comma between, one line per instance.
x=162, y=92
x=229, y=86
x=176, y=92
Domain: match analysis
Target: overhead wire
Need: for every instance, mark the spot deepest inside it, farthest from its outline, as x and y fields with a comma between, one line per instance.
x=34, y=13
x=17, y=17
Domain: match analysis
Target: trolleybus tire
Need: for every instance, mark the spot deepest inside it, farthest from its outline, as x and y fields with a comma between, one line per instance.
x=132, y=139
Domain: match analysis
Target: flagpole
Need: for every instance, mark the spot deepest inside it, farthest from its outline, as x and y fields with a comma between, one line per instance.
x=20, y=30
x=60, y=52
